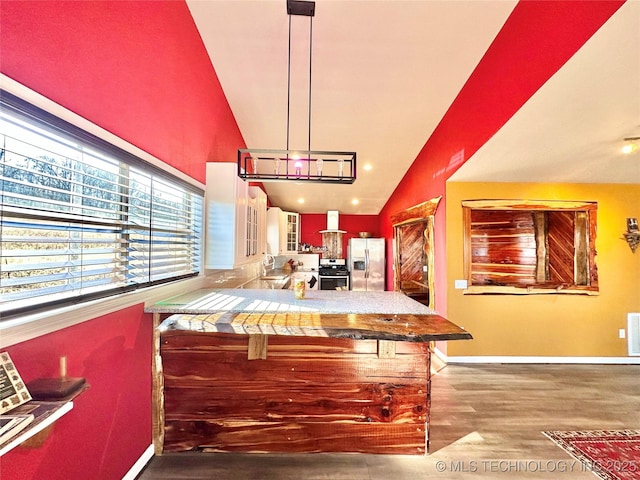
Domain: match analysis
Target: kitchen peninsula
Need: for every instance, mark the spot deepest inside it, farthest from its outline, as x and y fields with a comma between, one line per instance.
x=259, y=371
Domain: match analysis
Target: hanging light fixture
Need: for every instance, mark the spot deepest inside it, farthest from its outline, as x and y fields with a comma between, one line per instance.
x=317, y=166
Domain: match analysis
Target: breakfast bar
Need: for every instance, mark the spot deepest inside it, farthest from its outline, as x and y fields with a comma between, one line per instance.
x=242, y=370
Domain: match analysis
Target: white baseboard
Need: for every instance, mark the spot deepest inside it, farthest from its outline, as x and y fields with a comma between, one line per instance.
x=140, y=464
x=439, y=354
x=538, y=359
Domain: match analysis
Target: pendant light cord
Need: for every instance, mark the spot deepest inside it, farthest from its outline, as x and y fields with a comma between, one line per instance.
x=289, y=86
x=289, y=83
x=310, y=44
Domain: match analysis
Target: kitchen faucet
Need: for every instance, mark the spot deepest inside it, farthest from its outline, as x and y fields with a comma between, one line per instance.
x=269, y=261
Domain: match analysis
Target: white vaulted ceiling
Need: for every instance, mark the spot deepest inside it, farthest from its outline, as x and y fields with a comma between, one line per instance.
x=385, y=72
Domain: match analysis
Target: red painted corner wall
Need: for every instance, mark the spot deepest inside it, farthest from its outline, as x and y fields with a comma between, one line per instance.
x=139, y=70
x=537, y=39
x=110, y=425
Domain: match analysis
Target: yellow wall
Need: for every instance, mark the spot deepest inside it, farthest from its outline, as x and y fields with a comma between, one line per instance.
x=549, y=324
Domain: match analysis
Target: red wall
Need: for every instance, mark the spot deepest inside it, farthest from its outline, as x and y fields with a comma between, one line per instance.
x=139, y=70
x=110, y=424
x=312, y=223
x=536, y=40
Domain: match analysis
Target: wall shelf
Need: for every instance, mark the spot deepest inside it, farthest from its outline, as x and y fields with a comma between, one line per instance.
x=45, y=416
x=46, y=413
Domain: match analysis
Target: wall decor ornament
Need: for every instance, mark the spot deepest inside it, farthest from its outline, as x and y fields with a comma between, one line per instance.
x=632, y=235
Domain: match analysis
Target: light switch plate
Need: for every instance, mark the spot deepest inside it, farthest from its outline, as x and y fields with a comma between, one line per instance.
x=460, y=284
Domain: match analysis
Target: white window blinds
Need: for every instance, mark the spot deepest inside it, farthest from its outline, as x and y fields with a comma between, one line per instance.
x=80, y=219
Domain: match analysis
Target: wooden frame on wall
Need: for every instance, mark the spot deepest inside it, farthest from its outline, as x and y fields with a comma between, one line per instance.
x=528, y=246
x=416, y=222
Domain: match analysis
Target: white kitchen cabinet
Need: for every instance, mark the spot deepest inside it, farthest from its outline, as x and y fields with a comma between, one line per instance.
x=256, y=230
x=283, y=231
x=292, y=236
x=235, y=219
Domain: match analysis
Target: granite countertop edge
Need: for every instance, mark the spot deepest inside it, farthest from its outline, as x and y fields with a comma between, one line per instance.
x=282, y=300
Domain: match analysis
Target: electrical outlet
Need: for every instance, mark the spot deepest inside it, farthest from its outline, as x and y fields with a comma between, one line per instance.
x=622, y=333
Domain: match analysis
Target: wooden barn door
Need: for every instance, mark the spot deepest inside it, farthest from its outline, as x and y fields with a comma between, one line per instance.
x=414, y=253
x=413, y=277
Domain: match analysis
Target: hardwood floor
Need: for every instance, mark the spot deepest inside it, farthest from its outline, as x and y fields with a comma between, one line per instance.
x=486, y=423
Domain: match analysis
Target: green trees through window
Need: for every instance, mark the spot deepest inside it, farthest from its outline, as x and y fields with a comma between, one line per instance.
x=81, y=218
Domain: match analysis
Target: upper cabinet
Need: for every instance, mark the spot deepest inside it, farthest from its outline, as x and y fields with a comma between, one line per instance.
x=283, y=231
x=256, y=223
x=235, y=218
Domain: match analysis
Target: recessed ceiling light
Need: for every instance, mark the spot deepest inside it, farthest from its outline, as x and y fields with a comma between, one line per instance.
x=355, y=201
x=301, y=200
x=367, y=166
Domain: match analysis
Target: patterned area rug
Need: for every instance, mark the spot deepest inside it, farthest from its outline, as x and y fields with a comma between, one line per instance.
x=610, y=454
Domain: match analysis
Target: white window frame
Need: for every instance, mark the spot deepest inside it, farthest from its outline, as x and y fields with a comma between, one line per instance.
x=29, y=326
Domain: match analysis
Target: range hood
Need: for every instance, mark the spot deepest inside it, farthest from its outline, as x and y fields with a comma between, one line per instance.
x=333, y=217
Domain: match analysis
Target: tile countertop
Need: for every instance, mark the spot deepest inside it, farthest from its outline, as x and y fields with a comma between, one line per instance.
x=278, y=300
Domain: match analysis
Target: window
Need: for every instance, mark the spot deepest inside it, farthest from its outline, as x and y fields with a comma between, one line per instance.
x=81, y=219
x=530, y=247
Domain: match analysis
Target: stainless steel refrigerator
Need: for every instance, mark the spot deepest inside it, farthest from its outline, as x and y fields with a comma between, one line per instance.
x=367, y=263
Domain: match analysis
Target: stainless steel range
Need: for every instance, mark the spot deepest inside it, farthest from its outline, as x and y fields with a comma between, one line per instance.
x=333, y=274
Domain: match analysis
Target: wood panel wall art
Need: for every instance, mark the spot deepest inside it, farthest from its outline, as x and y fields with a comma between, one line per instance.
x=525, y=246
x=561, y=247
x=503, y=248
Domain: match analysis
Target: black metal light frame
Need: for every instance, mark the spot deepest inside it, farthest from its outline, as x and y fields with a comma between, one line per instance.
x=316, y=166
x=340, y=166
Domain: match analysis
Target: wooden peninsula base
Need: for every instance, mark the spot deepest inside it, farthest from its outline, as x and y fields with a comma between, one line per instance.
x=308, y=395
x=297, y=380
